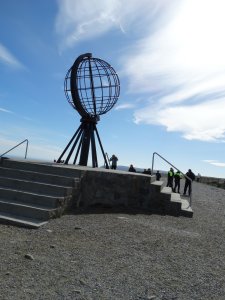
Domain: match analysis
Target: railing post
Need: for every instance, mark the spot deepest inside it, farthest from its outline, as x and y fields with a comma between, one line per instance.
x=26, y=149
x=153, y=156
x=106, y=154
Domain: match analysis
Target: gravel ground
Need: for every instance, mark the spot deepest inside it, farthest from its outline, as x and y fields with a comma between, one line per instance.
x=119, y=255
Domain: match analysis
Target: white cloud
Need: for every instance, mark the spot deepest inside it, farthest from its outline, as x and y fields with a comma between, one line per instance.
x=202, y=121
x=82, y=20
x=218, y=164
x=7, y=58
x=182, y=67
x=124, y=106
x=215, y=163
x=6, y=110
x=182, y=51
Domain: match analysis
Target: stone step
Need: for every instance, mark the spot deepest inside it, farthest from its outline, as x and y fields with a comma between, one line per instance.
x=48, y=168
x=175, y=197
x=173, y=206
x=27, y=211
x=38, y=177
x=156, y=187
x=186, y=209
x=164, y=200
x=32, y=198
x=165, y=194
x=32, y=193
x=35, y=187
x=11, y=219
x=166, y=190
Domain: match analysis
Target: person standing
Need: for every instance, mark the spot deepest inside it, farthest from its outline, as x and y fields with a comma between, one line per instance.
x=114, y=160
x=177, y=178
x=149, y=172
x=157, y=175
x=188, y=182
x=131, y=169
x=198, y=177
x=170, y=176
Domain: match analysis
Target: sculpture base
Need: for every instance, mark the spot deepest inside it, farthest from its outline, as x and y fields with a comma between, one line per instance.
x=80, y=144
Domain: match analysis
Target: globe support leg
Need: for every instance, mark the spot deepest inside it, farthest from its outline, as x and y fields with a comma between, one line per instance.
x=73, y=147
x=103, y=153
x=87, y=128
x=70, y=142
x=77, y=153
x=93, y=150
x=83, y=138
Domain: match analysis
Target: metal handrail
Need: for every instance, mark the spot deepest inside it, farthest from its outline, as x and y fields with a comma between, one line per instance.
x=16, y=147
x=107, y=157
x=153, y=156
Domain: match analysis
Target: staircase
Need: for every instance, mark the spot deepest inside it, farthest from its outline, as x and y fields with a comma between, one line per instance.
x=163, y=200
x=32, y=193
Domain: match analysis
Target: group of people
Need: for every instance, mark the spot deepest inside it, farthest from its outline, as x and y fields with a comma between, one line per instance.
x=114, y=160
x=147, y=171
x=173, y=178
x=173, y=181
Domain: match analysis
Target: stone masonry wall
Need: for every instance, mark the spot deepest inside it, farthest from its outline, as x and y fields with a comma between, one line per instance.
x=113, y=188
x=219, y=182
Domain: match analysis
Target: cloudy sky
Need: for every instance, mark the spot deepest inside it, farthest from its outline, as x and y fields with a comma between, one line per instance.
x=169, y=56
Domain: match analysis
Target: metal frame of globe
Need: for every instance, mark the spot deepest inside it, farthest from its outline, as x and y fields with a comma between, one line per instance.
x=92, y=87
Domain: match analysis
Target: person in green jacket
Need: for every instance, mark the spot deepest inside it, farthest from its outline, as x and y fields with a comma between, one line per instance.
x=170, y=176
x=177, y=178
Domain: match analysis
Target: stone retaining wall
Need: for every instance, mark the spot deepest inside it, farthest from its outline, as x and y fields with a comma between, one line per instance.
x=219, y=182
x=114, y=188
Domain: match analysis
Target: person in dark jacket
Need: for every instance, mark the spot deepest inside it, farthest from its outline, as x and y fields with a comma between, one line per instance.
x=114, y=160
x=149, y=172
x=157, y=175
x=177, y=178
x=188, y=182
x=131, y=169
x=170, y=176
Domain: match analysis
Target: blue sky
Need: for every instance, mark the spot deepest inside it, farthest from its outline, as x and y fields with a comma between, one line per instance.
x=169, y=56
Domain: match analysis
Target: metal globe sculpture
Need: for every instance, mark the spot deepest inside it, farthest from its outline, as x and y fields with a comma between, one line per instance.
x=92, y=87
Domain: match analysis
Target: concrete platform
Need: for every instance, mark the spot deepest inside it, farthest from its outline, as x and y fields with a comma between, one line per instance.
x=41, y=190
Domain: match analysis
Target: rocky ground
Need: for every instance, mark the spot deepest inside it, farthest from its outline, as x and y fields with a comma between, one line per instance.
x=119, y=255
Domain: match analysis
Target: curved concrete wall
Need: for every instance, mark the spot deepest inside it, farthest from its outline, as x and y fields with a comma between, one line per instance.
x=114, y=188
